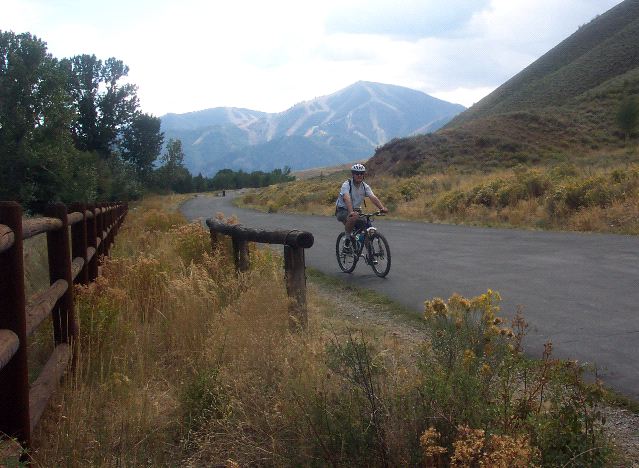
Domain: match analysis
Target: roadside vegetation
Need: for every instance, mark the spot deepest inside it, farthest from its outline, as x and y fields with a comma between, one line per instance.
x=184, y=362
x=598, y=193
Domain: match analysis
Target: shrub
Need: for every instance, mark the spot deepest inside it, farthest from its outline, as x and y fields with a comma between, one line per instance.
x=191, y=242
x=475, y=373
x=272, y=207
x=411, y=188
x=563, y=171
x=592, y=191
x=452, y=202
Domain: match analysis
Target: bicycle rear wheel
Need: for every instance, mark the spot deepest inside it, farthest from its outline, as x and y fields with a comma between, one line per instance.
x=346, y=255
x=379, y=256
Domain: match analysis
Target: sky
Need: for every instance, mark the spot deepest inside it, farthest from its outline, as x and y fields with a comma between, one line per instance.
x=188, y=55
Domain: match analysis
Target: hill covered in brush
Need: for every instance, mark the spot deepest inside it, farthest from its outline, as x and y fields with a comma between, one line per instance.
x=563, y=104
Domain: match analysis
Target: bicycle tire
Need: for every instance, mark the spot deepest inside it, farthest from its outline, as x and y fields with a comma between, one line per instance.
x=379, y=256
x=343, y=258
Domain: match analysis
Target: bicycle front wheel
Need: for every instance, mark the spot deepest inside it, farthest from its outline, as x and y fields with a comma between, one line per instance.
x=379, y=256
x=346, y=254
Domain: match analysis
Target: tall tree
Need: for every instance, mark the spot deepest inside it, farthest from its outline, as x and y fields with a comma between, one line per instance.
x=172, y=175
x=36, y=152
x=104, y=106
x=142, y=143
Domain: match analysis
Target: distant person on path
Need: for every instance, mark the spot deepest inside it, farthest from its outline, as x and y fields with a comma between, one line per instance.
x=351, y=196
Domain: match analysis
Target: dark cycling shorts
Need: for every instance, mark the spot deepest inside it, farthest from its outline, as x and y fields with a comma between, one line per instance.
x=341, y=214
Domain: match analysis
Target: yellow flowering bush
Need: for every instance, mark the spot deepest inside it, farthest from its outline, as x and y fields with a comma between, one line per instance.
x=467, y=330
x=476, y=376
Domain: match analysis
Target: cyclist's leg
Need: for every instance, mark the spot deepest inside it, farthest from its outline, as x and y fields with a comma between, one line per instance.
x=341, y=214
x=352, y=223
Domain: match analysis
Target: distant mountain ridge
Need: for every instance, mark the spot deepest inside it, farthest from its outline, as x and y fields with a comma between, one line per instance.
x=344, y=126
x=564, y=103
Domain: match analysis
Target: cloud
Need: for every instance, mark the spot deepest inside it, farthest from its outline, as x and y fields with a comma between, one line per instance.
x=407, y=19
x=196, y=54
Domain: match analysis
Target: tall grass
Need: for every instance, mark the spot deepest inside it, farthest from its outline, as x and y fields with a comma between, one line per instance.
x=184, y=362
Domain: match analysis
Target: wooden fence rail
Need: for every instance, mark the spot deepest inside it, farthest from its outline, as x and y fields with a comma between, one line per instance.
x=90, y=229
x=294, y=263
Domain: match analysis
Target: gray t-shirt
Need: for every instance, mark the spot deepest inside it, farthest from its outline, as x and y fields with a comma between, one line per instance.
x=357, y=193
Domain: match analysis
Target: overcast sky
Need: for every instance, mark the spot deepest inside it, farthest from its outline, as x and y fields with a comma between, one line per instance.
x=187, y=55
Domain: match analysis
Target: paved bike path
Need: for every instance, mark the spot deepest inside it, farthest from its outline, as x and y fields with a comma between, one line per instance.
x=580, y=291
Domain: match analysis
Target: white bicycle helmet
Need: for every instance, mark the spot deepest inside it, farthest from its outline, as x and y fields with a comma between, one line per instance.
x=358, y=168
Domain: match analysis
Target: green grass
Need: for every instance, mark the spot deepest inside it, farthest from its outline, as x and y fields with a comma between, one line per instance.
x=618, y=400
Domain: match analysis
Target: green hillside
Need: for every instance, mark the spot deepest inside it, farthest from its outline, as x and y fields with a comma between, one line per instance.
x=563, y=104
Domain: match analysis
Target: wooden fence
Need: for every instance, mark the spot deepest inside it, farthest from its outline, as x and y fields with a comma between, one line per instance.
x=92, y=229
x=294, y=263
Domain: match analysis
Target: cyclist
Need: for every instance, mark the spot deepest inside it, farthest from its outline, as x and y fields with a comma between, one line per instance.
x=351, y=196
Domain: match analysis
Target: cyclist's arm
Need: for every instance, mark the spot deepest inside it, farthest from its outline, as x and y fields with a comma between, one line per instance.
x=349, y=203
x=377, y=203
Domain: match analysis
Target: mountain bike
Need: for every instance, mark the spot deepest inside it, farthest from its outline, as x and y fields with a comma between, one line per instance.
x=364, y=242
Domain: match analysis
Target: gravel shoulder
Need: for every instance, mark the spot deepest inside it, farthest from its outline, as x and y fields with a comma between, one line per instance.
x=622, y=424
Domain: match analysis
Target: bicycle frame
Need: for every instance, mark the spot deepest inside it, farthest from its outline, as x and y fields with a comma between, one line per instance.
x=368, y=229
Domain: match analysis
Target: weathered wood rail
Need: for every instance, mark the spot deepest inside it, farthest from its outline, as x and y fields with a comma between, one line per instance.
x=294, y=242
x=91, y=230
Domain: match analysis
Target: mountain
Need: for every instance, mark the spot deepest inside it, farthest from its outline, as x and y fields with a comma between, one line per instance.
x=344, y=126
x=563, y=103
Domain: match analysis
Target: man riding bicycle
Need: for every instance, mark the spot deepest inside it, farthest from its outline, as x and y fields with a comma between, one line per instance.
x=351, y=196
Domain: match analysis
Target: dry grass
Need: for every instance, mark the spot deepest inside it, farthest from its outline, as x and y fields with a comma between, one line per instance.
x=183, y=362
x=585, y=195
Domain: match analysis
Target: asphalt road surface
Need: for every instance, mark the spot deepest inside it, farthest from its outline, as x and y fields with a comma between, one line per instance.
x=579, y=291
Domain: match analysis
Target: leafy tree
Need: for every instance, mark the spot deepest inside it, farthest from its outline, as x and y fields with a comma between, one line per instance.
x=142, y=143
x=117, y=181
x=628, y=115
x=172, y=175
x=174, y=156
x=37, y=158
x=104, y=107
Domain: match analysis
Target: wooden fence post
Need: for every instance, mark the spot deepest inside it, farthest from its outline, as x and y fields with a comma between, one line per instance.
x=79, y=242
x=92, y=241
x=111, y=219
x=65, y=327
x=295, y=275
x=100, y=227
x=14, y=376
x=116, y=220
x=240, y=254
x=105, y=227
